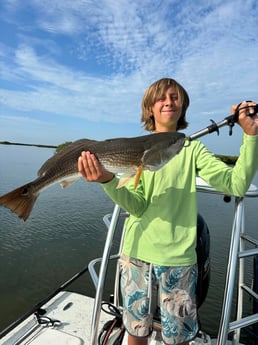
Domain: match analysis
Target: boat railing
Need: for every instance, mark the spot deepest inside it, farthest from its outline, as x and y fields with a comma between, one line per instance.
x=236, y=252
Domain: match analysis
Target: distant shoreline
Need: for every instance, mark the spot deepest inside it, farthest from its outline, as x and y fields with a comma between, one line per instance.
x=230, y=160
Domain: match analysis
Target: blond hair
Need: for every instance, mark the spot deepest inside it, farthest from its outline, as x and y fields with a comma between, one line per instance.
x=155, y=92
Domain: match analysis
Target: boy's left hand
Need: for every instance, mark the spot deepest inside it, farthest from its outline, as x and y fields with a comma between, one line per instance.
x=247, y=122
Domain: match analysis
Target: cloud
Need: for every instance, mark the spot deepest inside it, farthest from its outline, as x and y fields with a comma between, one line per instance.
x=53, y=88
x=93, y=60
x=24, y=120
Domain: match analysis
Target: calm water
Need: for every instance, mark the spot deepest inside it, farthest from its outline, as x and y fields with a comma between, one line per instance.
x=65, y=231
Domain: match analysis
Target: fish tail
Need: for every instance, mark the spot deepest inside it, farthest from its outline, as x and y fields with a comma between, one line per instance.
x=20, y=201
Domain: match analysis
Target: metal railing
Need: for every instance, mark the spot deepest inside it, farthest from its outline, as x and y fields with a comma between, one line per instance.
x=236, y=252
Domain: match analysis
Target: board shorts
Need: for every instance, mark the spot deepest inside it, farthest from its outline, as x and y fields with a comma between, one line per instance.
x=177, y=298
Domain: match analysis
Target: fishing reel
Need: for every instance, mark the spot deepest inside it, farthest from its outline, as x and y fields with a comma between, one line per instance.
x=229, y=121
x=232, y=119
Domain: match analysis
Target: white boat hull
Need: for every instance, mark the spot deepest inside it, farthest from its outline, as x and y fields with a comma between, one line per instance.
x=67, y=321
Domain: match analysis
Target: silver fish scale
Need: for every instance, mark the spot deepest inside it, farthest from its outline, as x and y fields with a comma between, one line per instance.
x=121, y=164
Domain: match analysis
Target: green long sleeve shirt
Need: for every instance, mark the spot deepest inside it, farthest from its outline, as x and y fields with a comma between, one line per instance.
x=161, y=228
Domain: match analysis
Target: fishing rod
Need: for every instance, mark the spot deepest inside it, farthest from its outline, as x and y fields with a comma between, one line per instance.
x=228, y=121
x=37, y=308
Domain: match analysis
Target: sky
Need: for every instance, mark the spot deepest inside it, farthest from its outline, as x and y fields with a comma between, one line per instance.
x=78, y=69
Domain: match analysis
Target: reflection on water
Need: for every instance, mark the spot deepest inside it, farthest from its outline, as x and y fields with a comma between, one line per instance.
x=65, y=231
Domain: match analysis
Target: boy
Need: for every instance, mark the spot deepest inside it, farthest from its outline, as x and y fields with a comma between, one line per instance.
x=160, y=238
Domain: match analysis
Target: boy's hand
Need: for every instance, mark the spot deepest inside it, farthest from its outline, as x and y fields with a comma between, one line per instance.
x=92, y=170
x=247, y=122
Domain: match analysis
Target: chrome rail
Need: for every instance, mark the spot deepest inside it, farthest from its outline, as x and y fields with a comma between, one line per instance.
x=102, y=275
x=231, y=273
x=238, y=230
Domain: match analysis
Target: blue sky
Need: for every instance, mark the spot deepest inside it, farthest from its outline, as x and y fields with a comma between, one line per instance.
x=78, y=69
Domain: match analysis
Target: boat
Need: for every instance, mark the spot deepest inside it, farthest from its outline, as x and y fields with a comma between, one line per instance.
x=69, y=318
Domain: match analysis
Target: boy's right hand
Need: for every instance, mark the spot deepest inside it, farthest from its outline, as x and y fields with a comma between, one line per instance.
x=92, y=170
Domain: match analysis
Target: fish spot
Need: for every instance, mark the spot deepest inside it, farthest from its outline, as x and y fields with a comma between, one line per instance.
x=25, y=191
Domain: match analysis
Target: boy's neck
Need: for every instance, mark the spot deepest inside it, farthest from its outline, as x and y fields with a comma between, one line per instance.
x=162, y=130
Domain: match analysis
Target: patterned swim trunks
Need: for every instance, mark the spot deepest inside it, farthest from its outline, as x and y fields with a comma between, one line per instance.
x=176, y=286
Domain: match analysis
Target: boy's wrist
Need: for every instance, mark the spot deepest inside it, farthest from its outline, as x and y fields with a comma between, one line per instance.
x=109, y=179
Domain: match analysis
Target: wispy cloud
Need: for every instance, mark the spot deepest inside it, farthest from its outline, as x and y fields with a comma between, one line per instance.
x=93, y=60
x=20, y=119
x=51, y=87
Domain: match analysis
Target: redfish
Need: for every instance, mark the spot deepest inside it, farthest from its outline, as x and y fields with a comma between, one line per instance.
x=127, y=157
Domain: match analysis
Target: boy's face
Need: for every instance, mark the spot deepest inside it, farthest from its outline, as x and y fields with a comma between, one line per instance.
x=167, y=111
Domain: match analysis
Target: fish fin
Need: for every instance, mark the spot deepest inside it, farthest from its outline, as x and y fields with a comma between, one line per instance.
x=123, y=181
x=67, y=183
x=20, y=201
x=138, y=176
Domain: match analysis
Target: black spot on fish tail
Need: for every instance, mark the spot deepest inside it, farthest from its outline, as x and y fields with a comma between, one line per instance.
x=20, y=201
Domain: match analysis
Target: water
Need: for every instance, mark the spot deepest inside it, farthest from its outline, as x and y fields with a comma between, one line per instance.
x=65, y=231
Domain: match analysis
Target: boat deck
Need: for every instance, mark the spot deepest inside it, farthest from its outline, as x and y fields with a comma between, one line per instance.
x=67, y=321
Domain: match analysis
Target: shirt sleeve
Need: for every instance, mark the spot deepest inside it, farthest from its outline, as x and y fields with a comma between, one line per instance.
x=126, y=197
x=230, y=180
